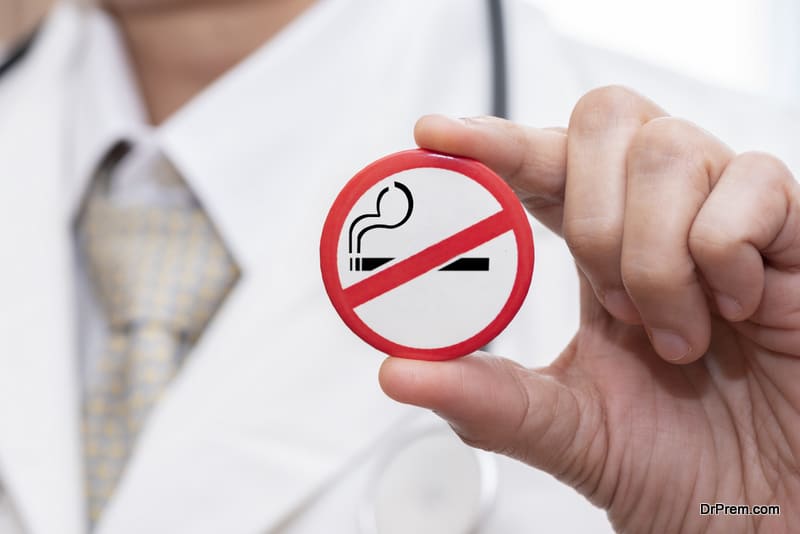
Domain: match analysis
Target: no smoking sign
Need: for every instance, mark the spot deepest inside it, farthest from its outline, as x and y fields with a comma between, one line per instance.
x=426, y=256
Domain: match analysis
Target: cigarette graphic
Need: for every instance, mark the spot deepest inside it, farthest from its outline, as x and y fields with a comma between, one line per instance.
x=372, y=221
x=461, y=264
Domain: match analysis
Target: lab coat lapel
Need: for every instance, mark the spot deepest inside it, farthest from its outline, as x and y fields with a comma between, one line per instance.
x=39, y=442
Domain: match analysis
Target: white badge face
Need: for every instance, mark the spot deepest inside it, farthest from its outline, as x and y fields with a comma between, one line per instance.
x=453, y=300
x=427, y=261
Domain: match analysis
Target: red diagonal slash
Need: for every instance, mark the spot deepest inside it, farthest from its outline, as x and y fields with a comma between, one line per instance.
x=428, y=259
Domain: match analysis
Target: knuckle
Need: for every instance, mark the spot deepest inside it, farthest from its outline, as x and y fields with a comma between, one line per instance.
x=711, y=242
x=765, y=167
x=648, y=273
x=666, y=142
x=605, y=108
x=593, y=239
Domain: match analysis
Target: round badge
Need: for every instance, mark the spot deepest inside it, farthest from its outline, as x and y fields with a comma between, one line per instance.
x=426, y=256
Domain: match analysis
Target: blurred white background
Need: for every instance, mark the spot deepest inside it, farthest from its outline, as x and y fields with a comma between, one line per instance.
x=751, y=45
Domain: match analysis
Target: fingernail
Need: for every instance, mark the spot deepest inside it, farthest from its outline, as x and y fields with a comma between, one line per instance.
x=456, y=121
x=728, y=306
x=618, y=303
x=476, y=119
x=670, y=345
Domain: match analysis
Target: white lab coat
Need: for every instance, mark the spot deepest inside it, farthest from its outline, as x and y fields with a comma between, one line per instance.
x=276, y=421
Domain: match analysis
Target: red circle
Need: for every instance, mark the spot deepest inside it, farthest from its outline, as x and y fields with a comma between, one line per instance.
x=413, y=159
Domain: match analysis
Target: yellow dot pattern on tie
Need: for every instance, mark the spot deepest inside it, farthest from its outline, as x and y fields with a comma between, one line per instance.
x=160, y=274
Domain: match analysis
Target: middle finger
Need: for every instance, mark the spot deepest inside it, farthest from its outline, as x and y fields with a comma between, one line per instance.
x=601, y=130
x=672, y=166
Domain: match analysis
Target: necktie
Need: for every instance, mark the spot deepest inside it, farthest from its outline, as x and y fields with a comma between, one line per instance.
x=160, y=273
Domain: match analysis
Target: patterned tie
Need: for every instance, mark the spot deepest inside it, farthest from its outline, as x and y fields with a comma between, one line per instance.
x=160, y=273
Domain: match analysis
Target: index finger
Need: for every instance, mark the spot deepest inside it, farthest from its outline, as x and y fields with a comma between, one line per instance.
x=531, y=160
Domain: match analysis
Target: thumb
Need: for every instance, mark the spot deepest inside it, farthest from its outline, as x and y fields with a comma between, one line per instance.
x=498, y=405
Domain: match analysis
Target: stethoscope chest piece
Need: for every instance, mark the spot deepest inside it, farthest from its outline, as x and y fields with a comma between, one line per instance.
x=429, y=482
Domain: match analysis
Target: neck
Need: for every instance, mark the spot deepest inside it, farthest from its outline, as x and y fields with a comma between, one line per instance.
x=178, y=51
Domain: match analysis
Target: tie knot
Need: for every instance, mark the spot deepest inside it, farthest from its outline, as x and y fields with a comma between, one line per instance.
x=163, y=265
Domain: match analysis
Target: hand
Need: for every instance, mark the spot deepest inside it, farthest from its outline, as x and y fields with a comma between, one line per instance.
x=682, y=384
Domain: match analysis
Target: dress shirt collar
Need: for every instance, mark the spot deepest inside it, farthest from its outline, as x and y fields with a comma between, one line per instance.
x=219, y=142
x=107, y=108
